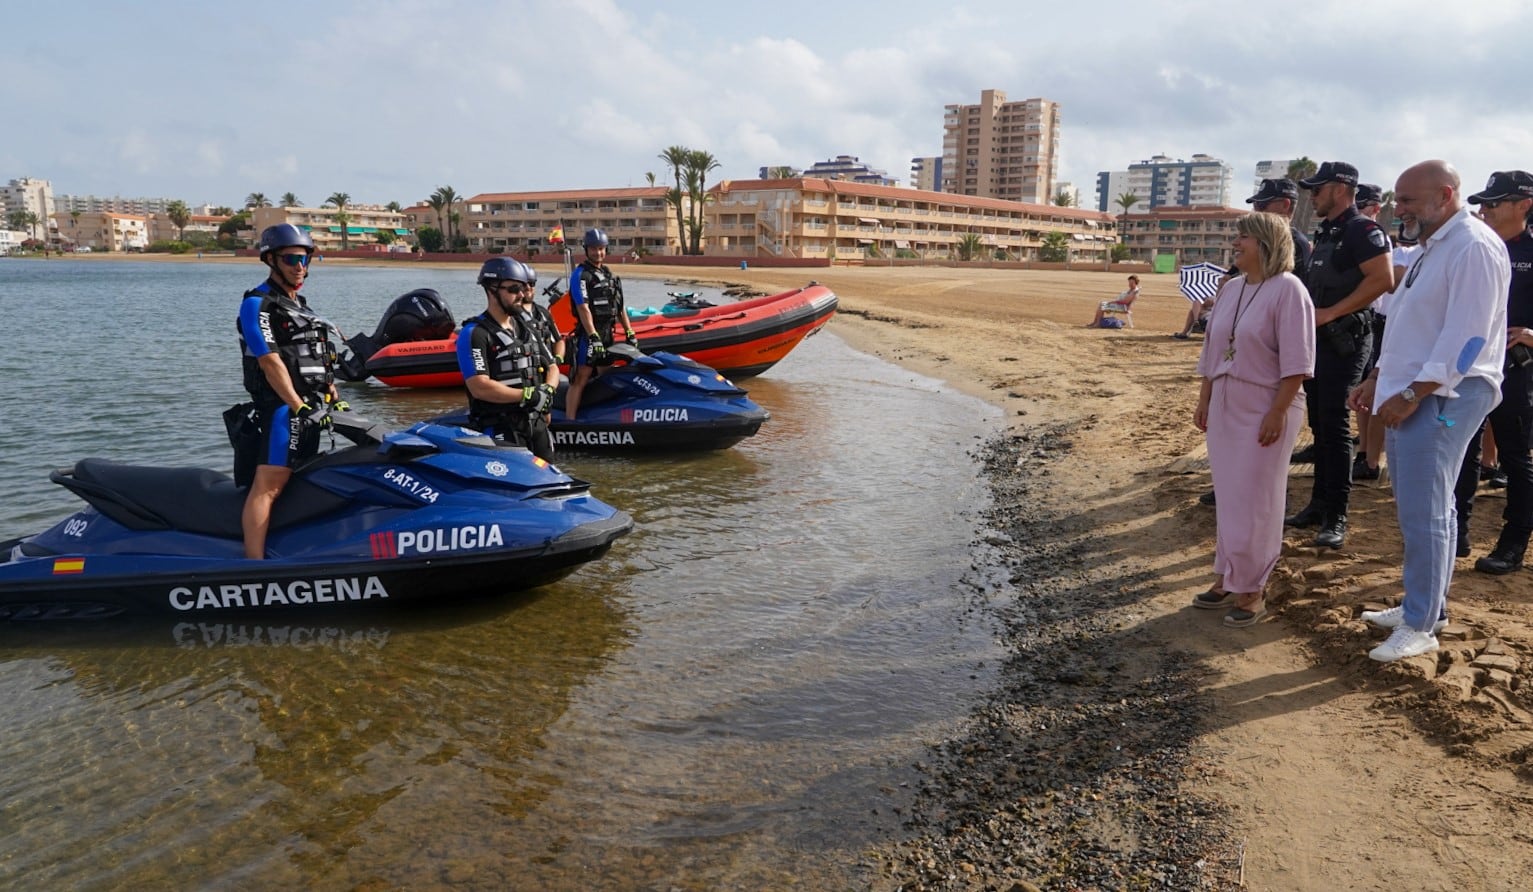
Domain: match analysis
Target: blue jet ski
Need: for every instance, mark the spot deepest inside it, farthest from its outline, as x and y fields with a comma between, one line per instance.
x=409, y=517
x=658, y=402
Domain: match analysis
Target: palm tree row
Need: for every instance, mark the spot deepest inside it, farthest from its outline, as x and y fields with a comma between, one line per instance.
x=442, y=201
x=689, y=170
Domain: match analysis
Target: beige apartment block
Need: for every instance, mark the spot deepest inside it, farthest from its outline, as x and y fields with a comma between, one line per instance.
x=99, y=231
x=1193, y=235
x=363, y=223
x=816, y=218
x=1000, y=149
x=635, y=220
x=161, y=229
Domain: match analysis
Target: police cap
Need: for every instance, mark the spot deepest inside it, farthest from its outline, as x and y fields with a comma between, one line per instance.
x=1272, y=190
x=1513, y=184
x=1368, y=193
x=1331, y=172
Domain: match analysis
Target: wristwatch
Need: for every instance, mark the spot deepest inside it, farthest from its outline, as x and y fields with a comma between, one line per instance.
x=1408, y=395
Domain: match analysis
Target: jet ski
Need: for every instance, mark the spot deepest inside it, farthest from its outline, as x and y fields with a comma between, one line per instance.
x=659, y=402
x=416, y=516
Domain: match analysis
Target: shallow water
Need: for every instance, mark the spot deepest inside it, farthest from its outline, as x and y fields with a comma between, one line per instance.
x=726, y=700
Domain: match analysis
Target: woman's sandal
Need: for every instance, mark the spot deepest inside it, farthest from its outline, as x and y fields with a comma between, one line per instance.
x=1240, y=617
x=1213, y=599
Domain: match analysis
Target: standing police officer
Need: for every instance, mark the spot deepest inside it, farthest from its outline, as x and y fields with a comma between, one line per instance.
x=289, y=371
x=1349, y=269
x=1505, y=205
x=510, y=388
x=596, y=297
x=1277, y=196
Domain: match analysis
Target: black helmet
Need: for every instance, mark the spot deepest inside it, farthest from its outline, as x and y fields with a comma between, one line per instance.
x=595, y=238
x=532, y=274
x=505, y=269
x=284, y=235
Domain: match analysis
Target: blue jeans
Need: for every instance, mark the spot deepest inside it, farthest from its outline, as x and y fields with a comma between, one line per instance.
x=1425, y=453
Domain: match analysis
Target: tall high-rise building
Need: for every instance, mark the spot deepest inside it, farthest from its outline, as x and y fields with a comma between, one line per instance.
x=926, y=173
x=1205, y=181
x=1000, y=149
x=27, y=194
x=1270, y=170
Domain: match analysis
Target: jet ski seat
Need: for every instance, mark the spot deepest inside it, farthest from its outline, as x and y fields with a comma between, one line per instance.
x=193, y=500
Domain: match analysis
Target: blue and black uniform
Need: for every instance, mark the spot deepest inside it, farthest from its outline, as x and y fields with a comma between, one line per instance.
x=596, y=287
x=510, y=356
x=1512, y=419
x=272, y=322
x=1342, y=349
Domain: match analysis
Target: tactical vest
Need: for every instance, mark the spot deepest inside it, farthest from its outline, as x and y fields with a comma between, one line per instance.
x=1328, y=285
x=602, y=296
x=511, y=362
x=302, y=340
x=539, y=330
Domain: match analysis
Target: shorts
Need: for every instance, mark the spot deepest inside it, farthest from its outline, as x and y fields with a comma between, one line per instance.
x=286, y=442
x=582, y=352
x=521, y=429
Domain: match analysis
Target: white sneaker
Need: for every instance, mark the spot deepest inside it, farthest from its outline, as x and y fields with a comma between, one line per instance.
x=1393, y=617
x=1404, y=642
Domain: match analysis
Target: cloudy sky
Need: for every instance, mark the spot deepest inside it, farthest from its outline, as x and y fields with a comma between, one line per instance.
x=387, y=100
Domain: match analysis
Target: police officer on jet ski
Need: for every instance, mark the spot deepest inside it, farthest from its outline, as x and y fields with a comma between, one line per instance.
x=289, y=371
x=596, y=297
x=535, y=319
x=510, y=382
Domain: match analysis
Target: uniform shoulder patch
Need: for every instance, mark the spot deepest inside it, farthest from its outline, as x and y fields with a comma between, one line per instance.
x=1377, y=238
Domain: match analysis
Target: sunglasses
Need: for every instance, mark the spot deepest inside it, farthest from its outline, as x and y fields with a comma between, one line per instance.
x=1493, y=204
x=294, y=260
x=515, y=287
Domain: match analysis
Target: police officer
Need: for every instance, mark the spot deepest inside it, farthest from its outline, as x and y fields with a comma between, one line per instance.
x=1506, y=204
x=1370, y=203
x=1277, y=196
x=289, y=370
x=539, y=323
x=510, y=387
x=596, y=295
x=1348, y=269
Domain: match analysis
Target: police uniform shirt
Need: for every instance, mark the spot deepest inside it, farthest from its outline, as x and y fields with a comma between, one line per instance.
x=1358, y=239
x=269, y=323
x=1302, y=249
x=477, y=346
x=1519, y=299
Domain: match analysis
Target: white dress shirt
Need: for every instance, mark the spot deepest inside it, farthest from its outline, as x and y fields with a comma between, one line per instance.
x=1447, y=321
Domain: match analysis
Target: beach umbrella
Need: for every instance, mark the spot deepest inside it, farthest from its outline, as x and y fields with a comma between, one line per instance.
x=1200, y=281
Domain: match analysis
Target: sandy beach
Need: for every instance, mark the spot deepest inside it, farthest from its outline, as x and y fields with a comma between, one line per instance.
x=1136, y=742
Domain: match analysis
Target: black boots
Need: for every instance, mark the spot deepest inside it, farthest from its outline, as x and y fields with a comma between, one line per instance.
x=1333, y=532
x=1311, y=515
x=1462, y=549
x=1506, y=557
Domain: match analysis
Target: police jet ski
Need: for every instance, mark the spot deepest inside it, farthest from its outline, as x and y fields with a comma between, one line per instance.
x=659, y=402
x=410, y=517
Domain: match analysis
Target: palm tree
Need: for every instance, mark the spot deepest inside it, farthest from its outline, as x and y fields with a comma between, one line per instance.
x=1125, y=201
x=781, y=172
x=699, y=164
x=394, y=206
x=649, y=177
x=970, y=246
x=257, y=200
x=179, y=215
x=1304, y=208
x=1063, y=199
x=436, y=202
x=289, y=200
x=676, y=157
x=449, y=197
x=1387, y=209
x=339, y=200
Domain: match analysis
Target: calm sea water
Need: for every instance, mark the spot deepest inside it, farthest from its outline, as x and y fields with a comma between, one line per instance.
x=725, y=700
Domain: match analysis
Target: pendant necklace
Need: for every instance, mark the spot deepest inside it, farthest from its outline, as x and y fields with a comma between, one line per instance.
x=1240, y=307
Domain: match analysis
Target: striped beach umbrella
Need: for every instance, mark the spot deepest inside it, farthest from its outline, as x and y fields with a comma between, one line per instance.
x=1200, y=281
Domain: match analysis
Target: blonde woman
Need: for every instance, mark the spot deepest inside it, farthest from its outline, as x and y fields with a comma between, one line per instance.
x=1259, y=348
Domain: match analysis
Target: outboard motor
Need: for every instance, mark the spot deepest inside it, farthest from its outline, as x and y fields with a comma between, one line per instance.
x=420, y=315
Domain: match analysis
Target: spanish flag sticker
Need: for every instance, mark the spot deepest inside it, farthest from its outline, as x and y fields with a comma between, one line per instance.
x=535, y=460
x=64, y=566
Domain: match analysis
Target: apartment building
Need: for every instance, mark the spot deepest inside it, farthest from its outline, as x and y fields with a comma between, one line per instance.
x=363, y=223
x=1270, y=170
x=1001, y=149
x=1192, y=235
x=636, y=219
x=926, y=173
x=818, y=218
x=1161, y=181
x=27, y=194
x=849, y=167
x=99, y=231
x=161, y=229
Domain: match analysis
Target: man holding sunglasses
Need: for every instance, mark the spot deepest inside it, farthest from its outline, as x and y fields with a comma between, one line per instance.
x=510, y=383
x=289, y=366
x=1505, y=205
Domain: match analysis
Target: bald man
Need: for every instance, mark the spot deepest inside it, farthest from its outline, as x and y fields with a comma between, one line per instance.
x=1439, y=376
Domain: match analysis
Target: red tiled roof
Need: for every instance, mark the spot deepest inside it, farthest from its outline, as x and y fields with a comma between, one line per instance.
x=573, y=194
x=896, y=193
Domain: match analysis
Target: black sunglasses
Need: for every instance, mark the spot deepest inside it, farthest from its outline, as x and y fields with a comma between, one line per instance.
x=1498, y=202
x=294, y=259
x=515, y=287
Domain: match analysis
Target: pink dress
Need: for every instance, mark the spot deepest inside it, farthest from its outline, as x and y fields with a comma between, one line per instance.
x=1274, y=339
